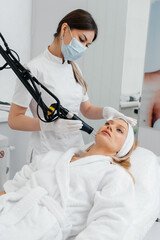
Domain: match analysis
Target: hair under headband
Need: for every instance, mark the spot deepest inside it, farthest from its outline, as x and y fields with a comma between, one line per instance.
x=128, y=142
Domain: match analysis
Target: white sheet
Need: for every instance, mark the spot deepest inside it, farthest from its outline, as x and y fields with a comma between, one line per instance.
x=146, y=170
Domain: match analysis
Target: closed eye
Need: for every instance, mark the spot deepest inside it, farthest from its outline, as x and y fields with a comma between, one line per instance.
x=120, y=130
x=82, y=41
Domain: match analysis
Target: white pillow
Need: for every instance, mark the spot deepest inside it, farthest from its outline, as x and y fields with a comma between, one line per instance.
x=146, y=171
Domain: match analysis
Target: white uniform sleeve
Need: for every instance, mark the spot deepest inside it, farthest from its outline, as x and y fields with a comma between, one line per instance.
x=113, y=207
x=20, y=178
x=85, y=98
x=22, y=96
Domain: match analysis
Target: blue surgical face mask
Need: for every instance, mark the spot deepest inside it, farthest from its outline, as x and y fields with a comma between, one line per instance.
x=74, y=50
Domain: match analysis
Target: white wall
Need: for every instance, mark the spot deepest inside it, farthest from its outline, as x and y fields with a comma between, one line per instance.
x=15, y=26
x=103, y=62
x=135, y=46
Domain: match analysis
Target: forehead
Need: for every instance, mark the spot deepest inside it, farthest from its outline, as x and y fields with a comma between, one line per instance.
x=119, y=121
x=88, y=33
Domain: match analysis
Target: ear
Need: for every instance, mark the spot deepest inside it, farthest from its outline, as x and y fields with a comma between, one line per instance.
x=63, y=29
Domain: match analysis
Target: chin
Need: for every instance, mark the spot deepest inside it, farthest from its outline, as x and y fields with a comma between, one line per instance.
x=105, y=143
x=105, y=138
x=102, y=140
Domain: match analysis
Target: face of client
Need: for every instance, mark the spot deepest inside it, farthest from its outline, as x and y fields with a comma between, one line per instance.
x=111, y=137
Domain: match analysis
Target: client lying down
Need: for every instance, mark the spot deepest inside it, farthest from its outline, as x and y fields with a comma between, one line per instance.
x=80, y=195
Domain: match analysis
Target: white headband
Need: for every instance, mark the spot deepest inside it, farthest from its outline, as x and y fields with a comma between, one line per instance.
x=128, y=142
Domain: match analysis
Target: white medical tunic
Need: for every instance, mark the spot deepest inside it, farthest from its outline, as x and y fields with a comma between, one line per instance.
x=58, y=77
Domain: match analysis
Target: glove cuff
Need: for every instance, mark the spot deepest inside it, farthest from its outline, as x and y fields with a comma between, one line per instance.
x=46, y=126
x=108, y=112
x=104, y=112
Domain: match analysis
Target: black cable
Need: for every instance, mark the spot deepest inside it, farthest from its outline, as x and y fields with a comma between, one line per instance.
x=4, y=66
x=26, y=78
x=8, y=50
x=18, y=58
x=38, y=111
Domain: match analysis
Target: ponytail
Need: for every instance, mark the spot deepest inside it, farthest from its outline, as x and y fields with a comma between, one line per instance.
x=78, y=76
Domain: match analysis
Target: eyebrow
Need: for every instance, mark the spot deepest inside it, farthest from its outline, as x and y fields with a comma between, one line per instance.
x=85, y=38
x=118, y=124
x=122, y=127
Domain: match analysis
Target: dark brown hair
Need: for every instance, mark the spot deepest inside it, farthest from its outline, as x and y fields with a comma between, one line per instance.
x=78, y=19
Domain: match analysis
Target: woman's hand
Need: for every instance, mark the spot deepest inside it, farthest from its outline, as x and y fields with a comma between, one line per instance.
x=61, y=126
x=2, y=193
x=109, y=113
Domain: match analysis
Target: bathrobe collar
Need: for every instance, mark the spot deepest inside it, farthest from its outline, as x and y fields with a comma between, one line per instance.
x=62, y=170
x=90, y=160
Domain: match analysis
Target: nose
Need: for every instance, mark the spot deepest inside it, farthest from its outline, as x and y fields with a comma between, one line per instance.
x=109, y=127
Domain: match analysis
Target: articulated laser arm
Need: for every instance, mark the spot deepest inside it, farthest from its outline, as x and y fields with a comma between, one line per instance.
x=50, y=113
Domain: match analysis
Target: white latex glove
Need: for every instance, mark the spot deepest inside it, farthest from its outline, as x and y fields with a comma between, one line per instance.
x=61, y=125
x=110, y=113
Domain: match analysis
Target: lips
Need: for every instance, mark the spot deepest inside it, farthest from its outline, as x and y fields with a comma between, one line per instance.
x=106, y=132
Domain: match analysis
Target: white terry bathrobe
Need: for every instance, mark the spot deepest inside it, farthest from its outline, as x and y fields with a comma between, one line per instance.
x=53, y=198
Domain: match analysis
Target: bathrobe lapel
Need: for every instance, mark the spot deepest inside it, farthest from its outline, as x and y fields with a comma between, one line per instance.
x=62, y=174
x=90, y=160
x=62, y=171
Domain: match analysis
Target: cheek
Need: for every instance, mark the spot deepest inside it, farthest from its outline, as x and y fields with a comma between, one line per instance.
x=76, y=37
x=67, y=40
x=97, y=133
x=120, y=141
x=97, y=136
x=100, y=129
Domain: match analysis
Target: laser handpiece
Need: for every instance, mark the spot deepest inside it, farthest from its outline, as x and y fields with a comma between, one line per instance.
x=65, y=113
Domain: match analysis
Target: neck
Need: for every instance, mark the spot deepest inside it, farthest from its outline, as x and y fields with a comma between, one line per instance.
x=94, y=150
x=55, y=48
x=97, y=150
